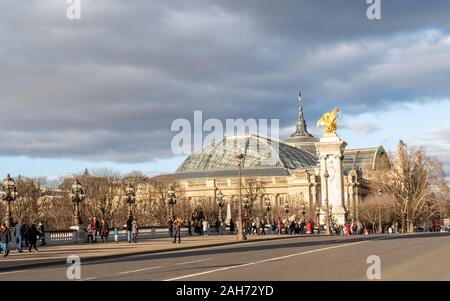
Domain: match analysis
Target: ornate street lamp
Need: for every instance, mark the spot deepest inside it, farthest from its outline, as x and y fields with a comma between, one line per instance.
x=304, y=211
x=129, y=198
x=287, y=209
x=318, y=217
x=268, y=208
x=77, y=195
x=220, y=203
x=171, y=200
x=240, y=233
x=246, y=201
x=8, y=194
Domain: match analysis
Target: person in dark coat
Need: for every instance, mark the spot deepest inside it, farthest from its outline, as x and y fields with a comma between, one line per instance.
x=19, y=230
x=129, y=227
x=104, y=231
x=5, y=239
x=231, y=226
x=33, y=235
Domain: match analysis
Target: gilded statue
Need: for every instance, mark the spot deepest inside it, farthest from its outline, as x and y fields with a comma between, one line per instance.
x=329, y=121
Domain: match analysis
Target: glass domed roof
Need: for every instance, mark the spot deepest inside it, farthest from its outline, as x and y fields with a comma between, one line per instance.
x=259, y=152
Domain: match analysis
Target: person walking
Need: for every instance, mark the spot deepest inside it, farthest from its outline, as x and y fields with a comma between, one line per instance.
x=116, y=234
x=129, y=227
x=205, y=227
x=104, y=231
x=170, y=227
x=19, y=230
x=231, y=226
x=189, y=226
x=177, y=230
x=134, y=230
x=42, y=233
x=279, y=225
x=33, y=235
x=90, y=237
x=95, y=227
x=5, y=239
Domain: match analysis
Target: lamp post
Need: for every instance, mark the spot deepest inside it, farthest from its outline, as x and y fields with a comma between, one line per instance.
x=327, y=209
x=246, y=201
x=77, y=195
x=268, y=209
x=220, y=203
x=304, y=211
x=9, y=194
x=379, y=212
x=171, y=201
x=240, y=233
x=130, y=198
x=287, y=209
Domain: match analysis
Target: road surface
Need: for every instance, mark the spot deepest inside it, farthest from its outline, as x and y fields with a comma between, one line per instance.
x=420, y=257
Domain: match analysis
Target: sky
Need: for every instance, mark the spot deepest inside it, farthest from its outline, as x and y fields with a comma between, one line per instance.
x=102, y=91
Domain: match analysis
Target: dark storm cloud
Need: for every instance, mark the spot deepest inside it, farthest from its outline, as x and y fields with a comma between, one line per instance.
x=109, y=86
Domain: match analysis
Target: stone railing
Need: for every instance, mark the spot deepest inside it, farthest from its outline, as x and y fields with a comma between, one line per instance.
x=59, y=237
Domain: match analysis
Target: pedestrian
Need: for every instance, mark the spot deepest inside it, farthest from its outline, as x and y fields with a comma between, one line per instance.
x=231, y=226
x=42, y=233
x=116, y=234
x=279, y=225
x=189, y=226
x=5, y=239
x=19, y=230
x=25, y=230
x=95, y=227
x=129, y=227
x=177, y=230
x=104, y=231
x=262, y=226
x=33, y=235
x=134, y=230
x=170, y=227
x=205, y=227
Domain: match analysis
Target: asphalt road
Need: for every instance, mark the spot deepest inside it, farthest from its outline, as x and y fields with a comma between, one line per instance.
x=421, y=257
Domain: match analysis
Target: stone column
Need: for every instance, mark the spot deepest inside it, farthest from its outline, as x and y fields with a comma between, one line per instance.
x=331, y=154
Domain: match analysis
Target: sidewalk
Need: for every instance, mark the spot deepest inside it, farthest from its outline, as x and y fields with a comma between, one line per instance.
x=52, y=255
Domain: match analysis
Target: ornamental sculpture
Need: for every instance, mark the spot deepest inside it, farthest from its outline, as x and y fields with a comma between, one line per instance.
x=329, y=121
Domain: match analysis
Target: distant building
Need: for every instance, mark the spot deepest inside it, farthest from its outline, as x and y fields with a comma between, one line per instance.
x=293, y=176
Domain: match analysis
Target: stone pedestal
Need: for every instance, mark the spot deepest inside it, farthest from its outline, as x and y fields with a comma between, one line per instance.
x=331, y=155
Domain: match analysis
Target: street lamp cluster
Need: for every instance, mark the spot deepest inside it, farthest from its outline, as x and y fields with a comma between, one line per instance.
x=129, y=198
x=77, y=195
x=220, y=203
x=8, y=194
x=171, y=201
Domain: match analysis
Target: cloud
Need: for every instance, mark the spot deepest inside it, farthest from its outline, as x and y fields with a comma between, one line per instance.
x=109, y=86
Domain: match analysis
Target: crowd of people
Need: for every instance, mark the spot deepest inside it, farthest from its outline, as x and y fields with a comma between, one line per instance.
x=101, y=229
x=25, y=235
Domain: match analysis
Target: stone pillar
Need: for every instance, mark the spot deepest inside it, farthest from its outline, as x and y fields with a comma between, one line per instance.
x=331, y=154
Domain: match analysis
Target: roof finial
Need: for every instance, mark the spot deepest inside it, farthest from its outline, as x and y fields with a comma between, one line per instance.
x=301, y=123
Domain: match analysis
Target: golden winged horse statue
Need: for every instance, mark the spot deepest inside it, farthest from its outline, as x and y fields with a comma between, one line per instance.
x=329, y=121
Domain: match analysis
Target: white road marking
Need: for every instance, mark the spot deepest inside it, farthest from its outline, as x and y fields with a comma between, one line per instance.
x=87, y=279
x=140, y=270
x=264, y=261
x=13, y=272
x=194, y=261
